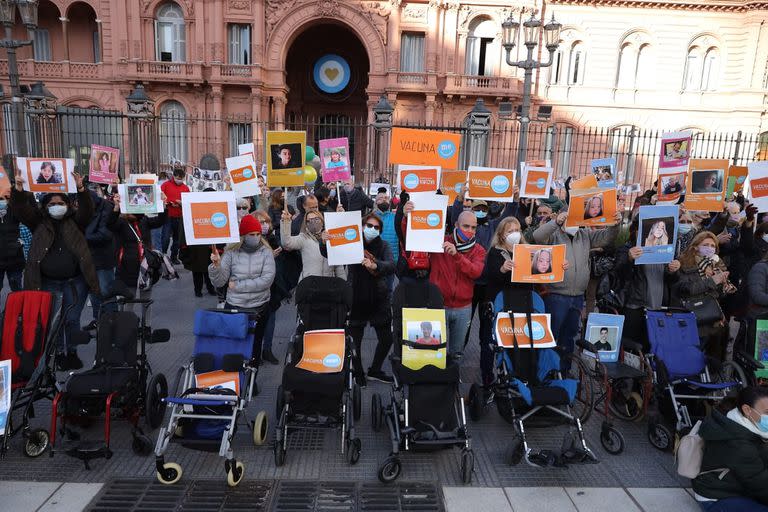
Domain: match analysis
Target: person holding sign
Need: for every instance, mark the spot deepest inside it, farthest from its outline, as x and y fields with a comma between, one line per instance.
x=353, y=198
x=173, y=190
x=308, y=243
x=247, y=269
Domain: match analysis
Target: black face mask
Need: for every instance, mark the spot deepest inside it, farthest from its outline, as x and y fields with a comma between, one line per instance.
x=383, y=206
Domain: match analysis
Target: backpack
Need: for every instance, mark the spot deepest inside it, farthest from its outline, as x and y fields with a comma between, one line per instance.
x=690, y=453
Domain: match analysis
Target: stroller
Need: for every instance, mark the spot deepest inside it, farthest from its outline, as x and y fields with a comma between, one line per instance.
x=309, y=399
x=687, y=382
x=28, y=341
x=116, y=386
x=529, y=381
x=425, y=409
x=216, y=387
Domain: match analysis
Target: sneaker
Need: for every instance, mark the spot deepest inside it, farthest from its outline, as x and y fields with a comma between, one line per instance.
x=198, y=293
x=91, y=326
x=380, y=376
x=268, y=356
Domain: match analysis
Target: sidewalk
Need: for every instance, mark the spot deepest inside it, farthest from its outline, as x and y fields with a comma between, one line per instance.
x=47, y=496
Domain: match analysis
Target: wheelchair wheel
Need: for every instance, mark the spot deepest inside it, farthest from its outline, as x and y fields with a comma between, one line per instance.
x=36, y=442
x=170, y=474
x=627, y=408
x=585, y=393
x=467, y=465
x=475, y=402
x=731, y=371
x=376, y=412
x=141, y=445
x=612, y=440
x=260, y=425
x=154, y=405
x=390, y=470
x=354, y=447
x=357, y=406
x=234, y=474
x=660, y=436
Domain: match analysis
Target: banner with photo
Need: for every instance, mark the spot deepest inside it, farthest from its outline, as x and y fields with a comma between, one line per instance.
x=285, y=158
x=538, y=263
x=758, y=184
x=425, y=338
x=604, y=333
x=334, y=160
x=345, y=246
x=657, y=234
x=451, y=183
x=592, y=208
x=506, y=336
x=5, y=393
x=243, y=176
x=604, y=170
x=416, y=179
x=103, y=165
x=671, y=185
x=140, y=198
x=536, y=182
x=675, y=149
x=201, y=179
x=426, y=223
x=424, y=147
x=491, y=184
x=47, y=175
x=323, y=351
x=142, y=179
x=761, y=346
x=705, y=190
x=209, y=218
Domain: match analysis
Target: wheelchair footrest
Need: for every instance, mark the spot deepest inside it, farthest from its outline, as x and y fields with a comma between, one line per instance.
x=88, y=451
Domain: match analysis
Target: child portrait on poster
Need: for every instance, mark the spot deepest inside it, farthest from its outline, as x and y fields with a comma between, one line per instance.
x=675, y=150
x=707, y=182
x=137, y=197
x=657, y=234
x=541, y=262
x=286, y=156
x=48, y=173
x=593, y=208
x=425, y=332
x=671, y=184
x=335, y=159
x=104, y=162
x=600, y=338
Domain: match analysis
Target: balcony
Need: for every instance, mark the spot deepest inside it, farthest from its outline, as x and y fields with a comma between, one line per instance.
x=154, y=71
x=234, y=73
x=29, y=69
x=478, y=85
x=416, y=82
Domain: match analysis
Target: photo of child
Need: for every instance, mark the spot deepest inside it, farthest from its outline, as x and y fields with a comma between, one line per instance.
x=657, y=231
x=424, y=332
x=48, y=173
x=603, y=338
x=672, y=184
x=286, y=156
x=708, y=181
x=335, y=158
x=593, y=208
x=541, y=261
x=140, y=195
x=675, y=150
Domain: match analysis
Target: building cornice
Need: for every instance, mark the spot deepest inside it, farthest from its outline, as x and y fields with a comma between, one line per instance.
x=680, y=5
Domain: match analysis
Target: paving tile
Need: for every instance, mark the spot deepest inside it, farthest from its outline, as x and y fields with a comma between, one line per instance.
x=539, y=499
x=71, y=497
x=26, y=496
x=461, y=499
x=601, y=499
x=663, y=499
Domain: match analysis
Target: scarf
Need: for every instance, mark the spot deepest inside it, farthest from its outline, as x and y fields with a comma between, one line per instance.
x=706, y=263
x=736, y=416
x=462, y=242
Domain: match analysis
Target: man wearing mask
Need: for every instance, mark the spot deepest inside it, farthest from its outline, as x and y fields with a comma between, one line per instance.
x=11, y=250
x=59, y=258
x=173, y=190
x=305, y=204
x=385, y=214
x=566, y=299
x=543, y=215
x=353, y=198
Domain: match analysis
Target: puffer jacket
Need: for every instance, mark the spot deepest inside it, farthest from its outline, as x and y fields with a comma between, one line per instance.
x=743, y=453
x=757, y=283
x=252, y=272
x=388, y=233
x=577, y=249
x=456, y=275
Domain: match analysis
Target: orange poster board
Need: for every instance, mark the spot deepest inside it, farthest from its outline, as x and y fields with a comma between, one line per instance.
x=540, y=325
x=707, y=179
x=424, y=147
x=739, y=172
x=491, y=184
x=344, y=235
x=413, y=178
x=536, y=182
x=209, y=218
x=538, y=263
x=5, y=182
x=451, y=183
x=671, y=184
x=219, y=379
x=593, y=207
x=323, y=351
x=47, y=175
x=426, y=219
x=587, y=182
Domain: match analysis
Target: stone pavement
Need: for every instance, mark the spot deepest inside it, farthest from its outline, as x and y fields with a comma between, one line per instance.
x=642, y=475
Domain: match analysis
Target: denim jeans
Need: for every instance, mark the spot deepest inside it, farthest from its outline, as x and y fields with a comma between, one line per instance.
x=171, y=230
x=14, y=279
x=735, y=504
x=106, y=278
x=458, y=324
x=65, y=293
x=565, y=315
x=157, y=238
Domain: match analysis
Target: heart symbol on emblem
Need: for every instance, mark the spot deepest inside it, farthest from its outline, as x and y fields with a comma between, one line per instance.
x=331, y=73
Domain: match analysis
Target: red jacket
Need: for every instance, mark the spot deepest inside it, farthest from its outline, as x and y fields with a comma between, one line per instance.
x=455, y=275
x=173, y=192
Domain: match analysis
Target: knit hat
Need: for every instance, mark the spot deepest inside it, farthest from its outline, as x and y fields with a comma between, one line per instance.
x=249, y=224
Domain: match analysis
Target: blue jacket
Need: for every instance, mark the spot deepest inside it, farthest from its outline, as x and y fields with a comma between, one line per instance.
x=388, y=233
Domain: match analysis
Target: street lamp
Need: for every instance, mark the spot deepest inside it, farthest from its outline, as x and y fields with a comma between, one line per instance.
x=531, y=33
x=28, y=11
x=382, y=122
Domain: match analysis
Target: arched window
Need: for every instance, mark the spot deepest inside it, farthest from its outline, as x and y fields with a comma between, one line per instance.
x=692, y=77
x=576, y=64
x=482, y=51
x=556, y=70
x=702, y=69
x=173, y=132
x=762, y=147
x=625, y=76
x=170, y=34
x=711, y=70
x=644, y=74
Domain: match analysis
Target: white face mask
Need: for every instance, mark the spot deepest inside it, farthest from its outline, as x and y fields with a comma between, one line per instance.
x=57, y=211
x=512, y=238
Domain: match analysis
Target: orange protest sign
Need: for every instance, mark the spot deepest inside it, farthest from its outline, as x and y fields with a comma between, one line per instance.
x=587, y=182
x=242, y=174
x=424, y=147
x=5, y=183
x=209, y=220
x=323, y=351
x=344, y=235
x=593, y=207
x=671, y=185
x=219, y=379
x=759, y=187
x=707, y=179
x=540, y=325
x=451, y=183
x=538, y=263
x=536, y=182
x=426, y=219
x=491, y=184
x=418, y=179
x=739, y=172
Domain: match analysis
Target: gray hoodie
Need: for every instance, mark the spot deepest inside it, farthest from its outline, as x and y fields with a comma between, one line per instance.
x=576, y=252
x=252, y=272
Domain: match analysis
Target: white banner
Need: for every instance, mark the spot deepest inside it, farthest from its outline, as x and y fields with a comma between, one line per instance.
x=243, y=176
x=47, y=175
x=345, y=246
x=426, y=223
x=209, y=218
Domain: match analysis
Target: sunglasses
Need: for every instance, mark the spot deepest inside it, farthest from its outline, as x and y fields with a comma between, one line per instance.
x=377, y=228
x=242, y=208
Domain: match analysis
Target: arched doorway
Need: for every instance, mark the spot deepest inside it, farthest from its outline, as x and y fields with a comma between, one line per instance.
x=327, y=75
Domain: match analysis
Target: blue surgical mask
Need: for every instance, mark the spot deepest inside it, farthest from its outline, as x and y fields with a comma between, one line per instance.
x=481, y=214
x=332, y=193
x=762, y=425
x=370, y=233
x=3, y=204
x=684, y=228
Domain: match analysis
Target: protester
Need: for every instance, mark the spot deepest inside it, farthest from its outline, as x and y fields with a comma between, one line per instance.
x=59, y=259
x=304, y=204
x=353, y=198
x=11, y=248
x=542, y=215
x=280, y=289
x=173, y=190
x=276, y=206
x=387, y=217
x=101, y=243
x=196, y=258
x=307, y=242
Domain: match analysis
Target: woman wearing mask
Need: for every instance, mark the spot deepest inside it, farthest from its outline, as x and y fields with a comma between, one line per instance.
x=702, y=274
x=196, y=258
x=279, y=291
x=247, y=269
x=734, y=469
x=686, y=230
x=370, y=295
x=307, y=242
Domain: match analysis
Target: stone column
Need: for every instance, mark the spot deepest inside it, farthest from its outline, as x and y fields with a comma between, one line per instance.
x=393, y=37
x=217, y=95
x=429, y=110
x=432, y=32
x=65, y=34
x=100, y=56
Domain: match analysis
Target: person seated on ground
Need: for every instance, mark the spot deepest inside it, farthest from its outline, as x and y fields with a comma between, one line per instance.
x=734, y=469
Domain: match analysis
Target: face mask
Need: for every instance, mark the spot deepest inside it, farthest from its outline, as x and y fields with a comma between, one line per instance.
x=3, y=204
x=541, y=219
x=684, y=228
x=264, y=229
x=178, y=181
x=57, y=211
x=480, y=214
x=384, y=207
x=332, y=193
x=572, y=231
x=706, y=250
x=370, y=233
x=762, y=425
x=251, y=241
x=765, y=238
x=315, y=226
x=348, y=189
x=512, y=238
x=463, y=236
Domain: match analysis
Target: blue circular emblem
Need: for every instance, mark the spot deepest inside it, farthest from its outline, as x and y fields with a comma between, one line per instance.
x=446, y=149
x=458, y=187
x=350, y=234
x=331, y=361
x=538, y=330
x=331, y=73
x=433, y=220
x=247, y=173
x=219, y=220
x=411, y=181
x=500, y=184
x=541, y=183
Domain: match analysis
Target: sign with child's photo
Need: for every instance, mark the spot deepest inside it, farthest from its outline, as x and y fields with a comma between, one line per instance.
x=657, y=233
x=592, y=208
x=103, y=164
x=47, y=175
x=671, y=185
x=604, y=334
x=140, y=199
x=285, y=158
x=538, y=263
x=705, y=190
x=334, y=160
x=604, y=170
x=424, y=338
x=675, y=149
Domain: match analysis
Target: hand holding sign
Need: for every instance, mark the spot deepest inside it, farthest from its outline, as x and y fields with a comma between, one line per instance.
x=215, y=258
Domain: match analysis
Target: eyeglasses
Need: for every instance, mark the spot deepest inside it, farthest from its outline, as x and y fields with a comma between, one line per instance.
x=374, y=226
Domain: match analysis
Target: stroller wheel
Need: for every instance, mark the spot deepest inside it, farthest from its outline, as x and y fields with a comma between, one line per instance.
x=37, y=442
x=629, y=408
x=141, y=445
x=354, y=446
x=170, y=474
x=390, y=470
x=516, y=451
x=376, y=412
x=357, y=406
x=279, y=452
x=235, y=474
x=467, y=465
x=260, y=425
x=612, y=440
x=660, y=436
x=475, y=402
x=155, y=406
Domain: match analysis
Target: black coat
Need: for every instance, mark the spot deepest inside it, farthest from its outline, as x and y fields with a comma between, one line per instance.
x=357, y=200
x=195, y=258
x=517, y=295
x=100, y=239
x=11, y=250
x=370, y=293
x=127, y=245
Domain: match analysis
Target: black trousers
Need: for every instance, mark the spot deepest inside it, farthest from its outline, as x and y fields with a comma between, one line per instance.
x=198, y=278
x=384, y=336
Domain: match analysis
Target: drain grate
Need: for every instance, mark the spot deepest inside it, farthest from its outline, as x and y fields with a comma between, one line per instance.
x=217, y=496
x=403, y=497
x=306, y=439
x=295, y=496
